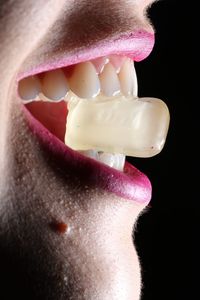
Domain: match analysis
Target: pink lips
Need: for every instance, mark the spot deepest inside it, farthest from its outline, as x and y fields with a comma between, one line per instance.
x=137, y=45
x=130, y=184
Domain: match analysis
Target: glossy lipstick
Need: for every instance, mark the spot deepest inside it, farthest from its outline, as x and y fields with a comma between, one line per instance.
x=137, y=46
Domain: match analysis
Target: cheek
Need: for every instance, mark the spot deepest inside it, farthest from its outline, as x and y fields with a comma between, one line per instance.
x=23, y=25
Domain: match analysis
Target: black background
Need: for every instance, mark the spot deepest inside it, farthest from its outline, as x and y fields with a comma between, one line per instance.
x=168, y=234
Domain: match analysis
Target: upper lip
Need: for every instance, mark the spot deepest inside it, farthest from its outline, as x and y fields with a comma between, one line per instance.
x=136, y=45
x=132, y=184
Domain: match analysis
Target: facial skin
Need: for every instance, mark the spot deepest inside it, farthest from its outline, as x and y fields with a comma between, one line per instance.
x=95, y=257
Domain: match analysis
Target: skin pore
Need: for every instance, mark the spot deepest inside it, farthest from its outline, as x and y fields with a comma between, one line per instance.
x=59, y=238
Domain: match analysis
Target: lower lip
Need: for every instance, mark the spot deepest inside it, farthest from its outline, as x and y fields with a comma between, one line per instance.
x=130, y=184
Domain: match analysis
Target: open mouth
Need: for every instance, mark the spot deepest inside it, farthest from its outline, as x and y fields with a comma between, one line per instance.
x=103, y=94
x=47, y=95
x=92, y=107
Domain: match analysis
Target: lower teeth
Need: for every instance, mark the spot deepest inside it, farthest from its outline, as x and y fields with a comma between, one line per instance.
x=115, y=161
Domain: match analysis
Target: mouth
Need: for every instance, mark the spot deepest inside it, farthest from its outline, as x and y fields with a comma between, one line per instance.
x=87, y=113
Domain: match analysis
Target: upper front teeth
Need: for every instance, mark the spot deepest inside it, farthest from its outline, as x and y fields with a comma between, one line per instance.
x=107, y=76
x=100, y=63
x=84, y=81
x=110, y=85
x=128, y=79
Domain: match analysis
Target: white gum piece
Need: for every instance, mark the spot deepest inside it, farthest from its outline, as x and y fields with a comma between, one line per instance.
x=134, y=128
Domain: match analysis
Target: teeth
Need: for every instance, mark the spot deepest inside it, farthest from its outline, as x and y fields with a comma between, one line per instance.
x=119, y=161
x=90, y=153
x=29, y=88
x=117, y=61
x=54, y=85
x=128, y=79
x=100, y=63
x=84, y=81
x=106, y=75
x=116, y=161
x=121, y=125
x=107, y=158
x=110, y=85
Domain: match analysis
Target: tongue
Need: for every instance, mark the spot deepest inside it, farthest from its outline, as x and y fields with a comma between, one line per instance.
x=51, y=115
